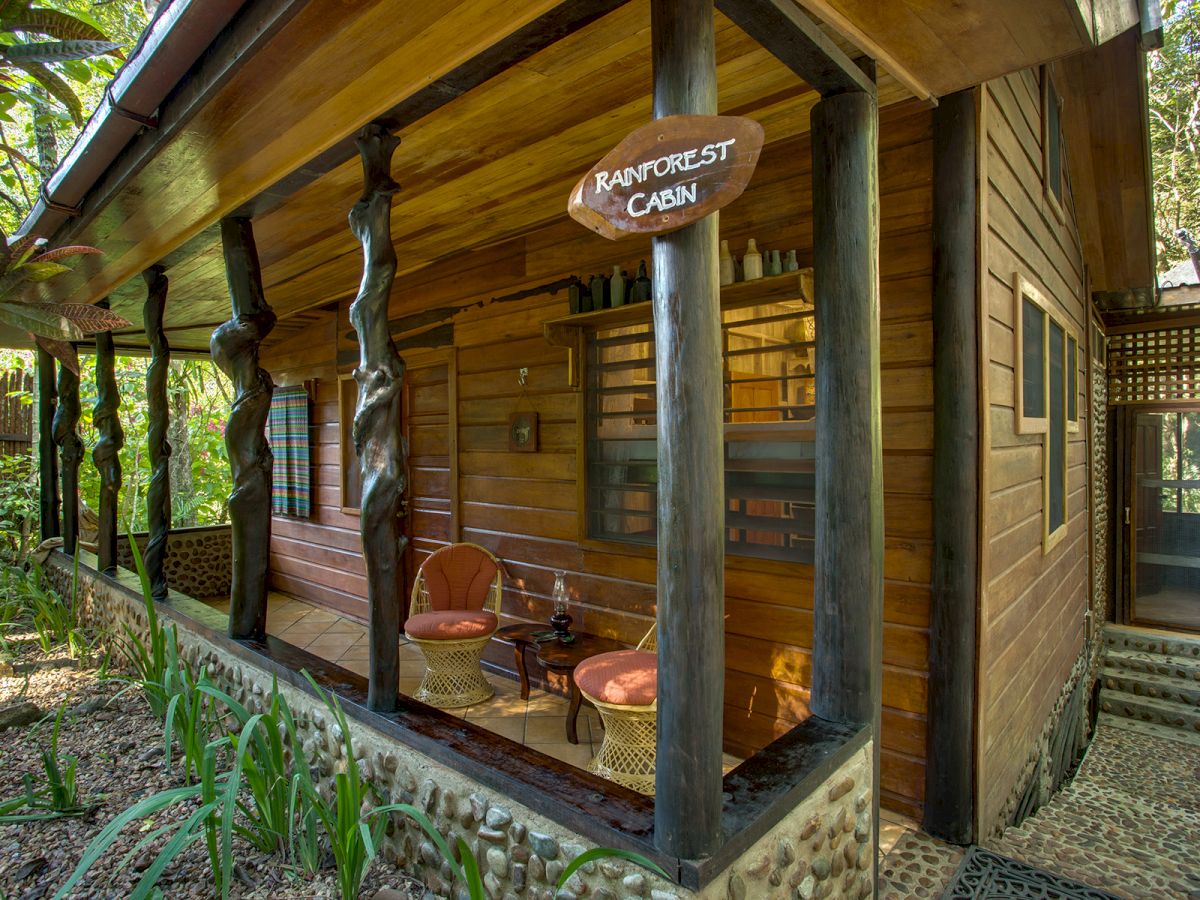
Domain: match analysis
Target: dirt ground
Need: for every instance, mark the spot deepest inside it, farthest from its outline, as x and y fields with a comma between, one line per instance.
x=119, y=747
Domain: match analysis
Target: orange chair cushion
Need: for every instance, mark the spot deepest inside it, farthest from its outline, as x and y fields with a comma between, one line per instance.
x=625, y=677
x=450, y=625
x=458, y=577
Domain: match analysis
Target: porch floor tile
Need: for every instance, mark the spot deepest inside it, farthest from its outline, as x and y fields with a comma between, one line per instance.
x=539, y=722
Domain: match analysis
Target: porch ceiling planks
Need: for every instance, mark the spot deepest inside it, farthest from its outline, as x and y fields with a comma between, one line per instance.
x=946, y=47
x=496, y=162
x=309, y=87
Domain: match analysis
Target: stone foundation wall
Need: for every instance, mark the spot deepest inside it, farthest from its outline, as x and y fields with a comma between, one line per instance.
x=1037, y=776
x=822, y=848
x=199, y=561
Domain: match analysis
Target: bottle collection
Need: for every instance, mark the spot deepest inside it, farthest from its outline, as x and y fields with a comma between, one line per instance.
x=605, y=292
x=619, y=289
x=755, y=263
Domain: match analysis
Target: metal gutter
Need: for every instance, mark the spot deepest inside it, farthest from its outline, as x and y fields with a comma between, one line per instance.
x=171, y=45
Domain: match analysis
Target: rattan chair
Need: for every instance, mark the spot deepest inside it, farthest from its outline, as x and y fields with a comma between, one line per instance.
x=623, y=686
x=452, y=616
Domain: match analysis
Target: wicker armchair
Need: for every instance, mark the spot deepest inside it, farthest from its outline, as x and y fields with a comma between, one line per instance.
x=623, y=686
x=452, y=616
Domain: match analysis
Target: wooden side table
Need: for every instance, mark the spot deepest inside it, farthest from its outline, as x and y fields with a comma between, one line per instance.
x=555, y=656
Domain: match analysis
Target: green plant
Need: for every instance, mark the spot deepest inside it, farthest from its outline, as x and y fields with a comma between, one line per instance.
x=189, y=714
x=60, y=795
x=148, y=658
x=29, y=598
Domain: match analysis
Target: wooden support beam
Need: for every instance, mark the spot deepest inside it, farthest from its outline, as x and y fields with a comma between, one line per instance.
x=950, y=743
x=66, y=436
x=380, y=377
x=158, y=495
x=107, y=452
x=794, y=38
x=847, y=659
x=235, y=349
x=47, y=459
x=555, y=24
x=691, y=496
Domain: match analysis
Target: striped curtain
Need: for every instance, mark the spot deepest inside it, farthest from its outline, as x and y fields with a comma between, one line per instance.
x=287, y=430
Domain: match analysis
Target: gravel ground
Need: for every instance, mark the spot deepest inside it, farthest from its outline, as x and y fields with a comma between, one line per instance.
x=118, y=744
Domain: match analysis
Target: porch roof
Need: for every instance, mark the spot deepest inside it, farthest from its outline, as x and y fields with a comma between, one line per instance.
x=492, y=163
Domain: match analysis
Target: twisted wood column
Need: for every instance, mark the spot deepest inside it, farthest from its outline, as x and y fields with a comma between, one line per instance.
x=107, y=452
x=234, y=347
x=47, y=459
x=158, y=495
x=66, y=436
x=380, y=375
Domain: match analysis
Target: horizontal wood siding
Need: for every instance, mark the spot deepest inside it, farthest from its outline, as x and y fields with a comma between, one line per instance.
x=1031, y=622
x=524, y=506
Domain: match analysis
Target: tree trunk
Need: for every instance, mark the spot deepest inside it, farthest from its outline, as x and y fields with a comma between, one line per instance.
x=107, y=452
x=158, y=495
x=380, y=375
x=181, y=449
x=235, y=349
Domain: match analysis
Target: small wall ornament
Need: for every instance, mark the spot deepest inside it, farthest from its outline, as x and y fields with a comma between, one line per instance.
x=523, y=432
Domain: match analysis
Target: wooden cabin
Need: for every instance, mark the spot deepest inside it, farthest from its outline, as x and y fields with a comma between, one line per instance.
x=1011, y=187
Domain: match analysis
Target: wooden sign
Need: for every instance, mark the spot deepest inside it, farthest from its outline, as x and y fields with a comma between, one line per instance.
x=668, y=174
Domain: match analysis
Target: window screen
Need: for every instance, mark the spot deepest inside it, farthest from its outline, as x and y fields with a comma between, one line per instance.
x=1053, y=139
x=1056, y=444
x=1072, y=380
x=769, y=396
x=1033, y=393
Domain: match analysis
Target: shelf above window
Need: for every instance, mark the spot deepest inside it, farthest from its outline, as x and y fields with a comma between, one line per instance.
x=569, y=331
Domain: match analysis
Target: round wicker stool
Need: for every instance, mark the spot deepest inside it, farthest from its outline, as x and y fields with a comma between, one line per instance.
x=623, y=686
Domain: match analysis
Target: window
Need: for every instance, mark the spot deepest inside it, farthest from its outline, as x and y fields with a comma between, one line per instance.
x=351, y=473
x=1180, y=476
x=1052, y=142
x=1030, y=356
x=1054, y=485
x=1046, y=396
x=769, y=356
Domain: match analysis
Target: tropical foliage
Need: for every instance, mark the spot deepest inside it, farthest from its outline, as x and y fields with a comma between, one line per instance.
x=1174, y=81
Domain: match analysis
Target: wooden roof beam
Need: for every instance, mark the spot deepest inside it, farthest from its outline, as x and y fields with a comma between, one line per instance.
x=557, y=23
x=797, y=41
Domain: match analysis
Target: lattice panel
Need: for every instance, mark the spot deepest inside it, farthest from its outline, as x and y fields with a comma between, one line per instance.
x=1154, y=365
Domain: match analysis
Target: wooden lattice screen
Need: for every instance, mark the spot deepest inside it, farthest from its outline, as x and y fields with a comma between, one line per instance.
x=1155, y=365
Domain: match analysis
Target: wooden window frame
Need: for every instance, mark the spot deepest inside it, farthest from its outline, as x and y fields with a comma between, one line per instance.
x=1073, y=423
x=346, y=453
x=1022, y=290
x=1050, y=539
x=1050, y=95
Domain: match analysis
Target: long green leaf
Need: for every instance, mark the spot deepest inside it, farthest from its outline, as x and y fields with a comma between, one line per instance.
x=603, y=853
x=185, y=835
x=56, y=87
x=57, y=24
x=110, y=832
x=41, y=271
x=39, y=322
x=55, y=51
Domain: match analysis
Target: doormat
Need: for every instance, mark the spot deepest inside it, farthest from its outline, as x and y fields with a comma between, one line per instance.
x=984, y=875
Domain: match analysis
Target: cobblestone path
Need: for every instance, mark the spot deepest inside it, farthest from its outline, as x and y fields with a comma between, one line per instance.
x=1129, y=822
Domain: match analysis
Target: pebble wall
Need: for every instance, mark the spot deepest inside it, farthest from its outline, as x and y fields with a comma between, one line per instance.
x=822, y=848
x=199, y=561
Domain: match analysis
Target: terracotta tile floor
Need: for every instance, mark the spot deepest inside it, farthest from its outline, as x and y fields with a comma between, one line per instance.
x=540, y=722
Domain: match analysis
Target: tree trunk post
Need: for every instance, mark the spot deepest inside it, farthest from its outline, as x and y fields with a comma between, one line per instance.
x=380, y=376
x=66, y=436
x=847, y=659
x=158, y=495
x=691, y=495
x=234, y=348
x=950, y=764
x=107, y=452
x=47, y=458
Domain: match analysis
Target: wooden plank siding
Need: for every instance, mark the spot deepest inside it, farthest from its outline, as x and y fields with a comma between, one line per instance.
x=1033, y=601
x=524, y=506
